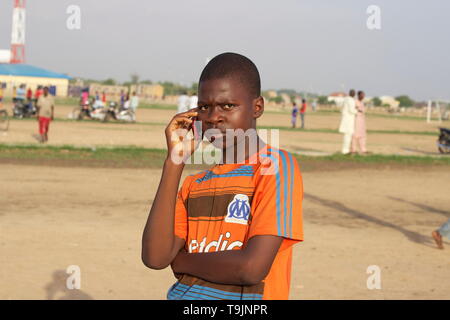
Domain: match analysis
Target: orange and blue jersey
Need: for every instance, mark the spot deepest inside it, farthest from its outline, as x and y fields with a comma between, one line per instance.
x=222, y=208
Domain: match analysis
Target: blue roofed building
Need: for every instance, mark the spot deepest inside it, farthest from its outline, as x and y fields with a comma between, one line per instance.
x=13, y=75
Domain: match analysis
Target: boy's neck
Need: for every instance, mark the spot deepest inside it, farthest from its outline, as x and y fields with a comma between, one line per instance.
x=242, y=151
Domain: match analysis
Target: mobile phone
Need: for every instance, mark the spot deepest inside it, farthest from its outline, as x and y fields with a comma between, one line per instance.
x=196, y=128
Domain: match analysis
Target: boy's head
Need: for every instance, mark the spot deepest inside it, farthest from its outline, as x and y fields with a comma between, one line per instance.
x=351, y=93
x=229, y=94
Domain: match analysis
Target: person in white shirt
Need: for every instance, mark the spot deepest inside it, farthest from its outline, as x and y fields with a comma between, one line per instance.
x=183, y=103
x=347, y=126
x=193, y=100
x=134, y=103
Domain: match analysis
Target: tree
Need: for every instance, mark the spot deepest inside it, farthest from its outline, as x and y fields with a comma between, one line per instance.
x=376, y=101
x=405, y=101
x=276, y=99
x=109, y=82
x=322, y=100
x=134, y=78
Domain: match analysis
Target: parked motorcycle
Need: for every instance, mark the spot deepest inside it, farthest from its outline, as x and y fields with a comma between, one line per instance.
x=113, y=113
x=23, y=110
x=443, y=142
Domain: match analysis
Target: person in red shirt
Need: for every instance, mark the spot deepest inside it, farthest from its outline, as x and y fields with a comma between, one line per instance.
x=38, y=93
x=302, y=113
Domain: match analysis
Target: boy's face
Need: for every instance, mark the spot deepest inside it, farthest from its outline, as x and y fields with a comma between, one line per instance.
x=227, y=104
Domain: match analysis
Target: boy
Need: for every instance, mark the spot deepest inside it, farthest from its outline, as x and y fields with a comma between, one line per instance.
x=45, y=113
x=229, y=233
x=294, y=114
x=302, y=113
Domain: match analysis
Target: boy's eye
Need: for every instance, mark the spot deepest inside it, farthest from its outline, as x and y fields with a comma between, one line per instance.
x=227, y=106
x=202, y=108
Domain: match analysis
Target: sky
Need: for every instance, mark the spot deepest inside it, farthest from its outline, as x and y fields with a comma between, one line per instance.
x=316, y=46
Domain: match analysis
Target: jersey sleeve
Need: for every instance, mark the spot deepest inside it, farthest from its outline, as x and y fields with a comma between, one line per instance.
x=277, y=202
x=181, y=215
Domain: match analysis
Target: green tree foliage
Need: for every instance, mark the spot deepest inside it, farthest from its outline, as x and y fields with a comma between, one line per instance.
x=376, y=101
x=405, y=101
x=322, y=100
x=277, y=99
x=109, y=82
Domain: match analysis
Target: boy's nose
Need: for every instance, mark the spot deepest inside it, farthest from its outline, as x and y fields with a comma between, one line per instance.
x=214, y=116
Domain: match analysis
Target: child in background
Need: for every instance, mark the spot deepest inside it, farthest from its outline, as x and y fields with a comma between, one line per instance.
x=294, y=115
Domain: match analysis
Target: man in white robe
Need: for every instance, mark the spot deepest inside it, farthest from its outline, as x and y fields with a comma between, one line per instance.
x=347, y=126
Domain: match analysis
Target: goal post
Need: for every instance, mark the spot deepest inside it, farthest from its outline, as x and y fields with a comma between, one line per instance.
x=442, y=113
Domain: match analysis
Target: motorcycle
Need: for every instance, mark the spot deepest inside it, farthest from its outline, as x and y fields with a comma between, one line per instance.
x=113, y=113
x=443, y=142
x=23, y=110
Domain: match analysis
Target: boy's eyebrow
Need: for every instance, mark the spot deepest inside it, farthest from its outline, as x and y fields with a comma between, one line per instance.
x=219, y=101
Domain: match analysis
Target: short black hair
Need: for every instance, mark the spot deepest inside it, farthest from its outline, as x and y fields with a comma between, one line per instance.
x=231, y=64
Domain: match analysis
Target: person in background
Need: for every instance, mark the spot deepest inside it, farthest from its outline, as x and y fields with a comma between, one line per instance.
x=97, y=96
x=347, y=126
x=1, y=95
x=183, y=103
x=126, y=104
x=302, y=113
x=193, y=101
x=104, y=98
x=314, y=105
x=444, y=230
x=122, y=99
x=294, y=115
x=84, y=97
x=14, y=94
x=134, y=103
x=37, y=93
x=359, y=136
x=45, y=113
x=30, y=99
x=21, y=93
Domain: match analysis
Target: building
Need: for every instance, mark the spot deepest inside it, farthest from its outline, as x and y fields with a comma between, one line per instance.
x=390, y=101
x=112, y=92
x=13, y=75
x=337, y=97
x=148, y=92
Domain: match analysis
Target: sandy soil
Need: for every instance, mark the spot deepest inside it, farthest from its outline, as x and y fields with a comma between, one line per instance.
x=150, y=133
x=53, y=217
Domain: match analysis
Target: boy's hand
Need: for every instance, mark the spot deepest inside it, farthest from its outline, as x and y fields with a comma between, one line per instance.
x=180, y=146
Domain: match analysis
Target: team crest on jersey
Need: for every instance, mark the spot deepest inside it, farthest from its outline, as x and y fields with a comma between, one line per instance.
x=238, y=210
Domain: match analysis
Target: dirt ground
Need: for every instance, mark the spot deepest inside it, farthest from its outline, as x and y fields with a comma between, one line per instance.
x=149, y=132
x=54, y=217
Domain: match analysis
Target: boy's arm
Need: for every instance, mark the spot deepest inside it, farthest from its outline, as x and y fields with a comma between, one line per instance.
x=159, y=243
x=248, y=266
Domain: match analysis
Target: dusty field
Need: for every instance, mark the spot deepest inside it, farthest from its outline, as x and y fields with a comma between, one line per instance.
x=149, y=132
x=52, y=217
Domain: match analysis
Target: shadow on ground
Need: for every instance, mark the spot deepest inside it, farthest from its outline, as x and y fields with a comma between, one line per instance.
x=411, y=235
x=57, y=287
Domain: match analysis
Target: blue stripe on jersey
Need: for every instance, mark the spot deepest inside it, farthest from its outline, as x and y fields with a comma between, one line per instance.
x=287, y=198
x=277, y=178
x=246, y=171
x=206, y=293
x=291, y=161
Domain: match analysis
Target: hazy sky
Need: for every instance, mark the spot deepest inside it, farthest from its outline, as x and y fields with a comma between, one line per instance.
x=303, y=45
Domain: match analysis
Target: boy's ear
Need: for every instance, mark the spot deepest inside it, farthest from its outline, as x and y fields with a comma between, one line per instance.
x=258, y=107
